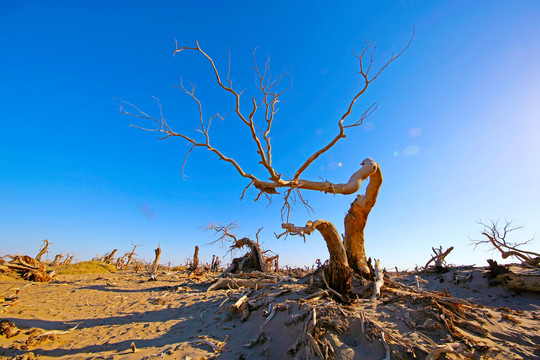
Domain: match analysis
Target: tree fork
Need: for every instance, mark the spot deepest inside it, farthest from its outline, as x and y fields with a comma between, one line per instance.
x=338, y=273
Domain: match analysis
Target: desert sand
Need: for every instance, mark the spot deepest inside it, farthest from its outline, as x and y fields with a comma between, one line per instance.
x=122, y=315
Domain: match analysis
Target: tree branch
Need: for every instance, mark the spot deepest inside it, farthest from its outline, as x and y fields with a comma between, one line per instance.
x=367, y=81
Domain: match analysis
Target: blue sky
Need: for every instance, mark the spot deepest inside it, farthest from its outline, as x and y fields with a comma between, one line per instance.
x=455, y=132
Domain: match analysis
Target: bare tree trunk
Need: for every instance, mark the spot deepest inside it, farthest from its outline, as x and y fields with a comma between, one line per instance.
x=155, y=265
x=355, y=223
x=109, y=258
x=130, y=256
x=338, y=273
x=43, y=250
x=195, y=263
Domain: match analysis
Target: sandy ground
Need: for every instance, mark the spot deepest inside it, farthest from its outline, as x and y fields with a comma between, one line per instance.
x=177, y=318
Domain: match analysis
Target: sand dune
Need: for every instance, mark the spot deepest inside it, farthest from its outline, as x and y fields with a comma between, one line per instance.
x=177, y=318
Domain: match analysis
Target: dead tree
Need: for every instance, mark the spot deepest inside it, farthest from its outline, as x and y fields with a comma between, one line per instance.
x=43, y=250
x=195, y=262
x=120, y=262
x=155, y=265
x=497, y=238
x=438, y=257
x=253, y=260
x=68, y=260
x=347, y=255
x=130, y=255
x=56, y=260
x=108, y=259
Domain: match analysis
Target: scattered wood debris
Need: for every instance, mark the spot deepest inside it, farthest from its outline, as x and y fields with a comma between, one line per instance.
x=27, y=268
x=215, y=344
x=8, y=329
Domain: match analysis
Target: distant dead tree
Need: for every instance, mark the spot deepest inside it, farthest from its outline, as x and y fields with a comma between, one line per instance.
x=43, y=250
x=253, y=260
x=56, y=260
x=155, y=265
x=120, y=262
x=68, y=260
x=108, y=259
x=497, y=238
x=438, y=257
x=346, y=255
x=138, y=266
x=195, y=262
x=130, y=255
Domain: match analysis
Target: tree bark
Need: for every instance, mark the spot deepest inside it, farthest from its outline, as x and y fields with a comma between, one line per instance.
x=355, y=223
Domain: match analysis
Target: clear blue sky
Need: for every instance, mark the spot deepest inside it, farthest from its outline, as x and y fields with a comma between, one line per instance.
x=456, y=131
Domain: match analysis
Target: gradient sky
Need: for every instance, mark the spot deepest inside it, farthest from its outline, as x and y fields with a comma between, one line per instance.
x=455, y=133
